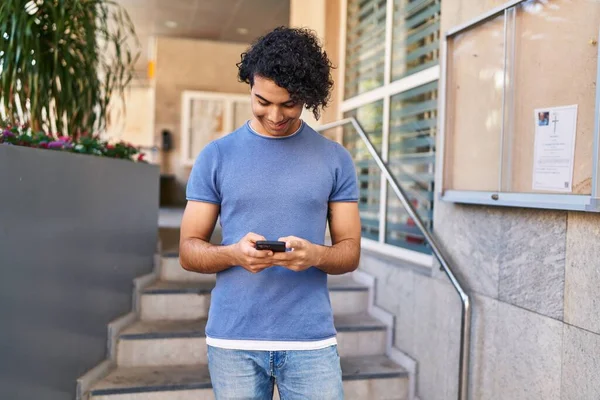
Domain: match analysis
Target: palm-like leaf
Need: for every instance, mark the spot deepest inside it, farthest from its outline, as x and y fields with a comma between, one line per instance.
x=61, y=62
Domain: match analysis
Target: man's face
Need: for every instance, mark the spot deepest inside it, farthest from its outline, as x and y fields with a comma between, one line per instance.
x=275, y=113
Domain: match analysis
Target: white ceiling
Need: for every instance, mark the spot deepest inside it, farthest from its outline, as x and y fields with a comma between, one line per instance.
x=205, y=19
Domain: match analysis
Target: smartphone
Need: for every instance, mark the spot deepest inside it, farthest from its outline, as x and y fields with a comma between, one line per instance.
x=272, y=245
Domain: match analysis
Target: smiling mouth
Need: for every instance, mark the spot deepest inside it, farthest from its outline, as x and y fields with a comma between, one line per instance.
x=279, y=126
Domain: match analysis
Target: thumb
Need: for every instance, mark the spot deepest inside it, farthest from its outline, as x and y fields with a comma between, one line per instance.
x=289, y=241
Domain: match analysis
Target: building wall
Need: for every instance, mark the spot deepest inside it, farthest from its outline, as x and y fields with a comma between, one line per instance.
x=323, y=17
x=332, y=43
x=131, y=117
x=534, y=277
x=183, y=64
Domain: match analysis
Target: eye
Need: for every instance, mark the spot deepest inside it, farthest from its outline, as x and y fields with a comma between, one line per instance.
x=263, y=104
x=290, y=105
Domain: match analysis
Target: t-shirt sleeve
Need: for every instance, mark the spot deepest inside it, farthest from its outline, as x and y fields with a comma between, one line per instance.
x=203, y=184
x=345, y=186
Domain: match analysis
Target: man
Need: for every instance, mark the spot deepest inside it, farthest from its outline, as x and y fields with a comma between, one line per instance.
x=274, y=178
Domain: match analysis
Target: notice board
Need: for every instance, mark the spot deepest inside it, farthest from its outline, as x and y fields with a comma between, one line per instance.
x=520, y=106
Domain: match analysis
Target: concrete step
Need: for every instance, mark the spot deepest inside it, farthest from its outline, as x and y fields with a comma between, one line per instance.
x=155, y=343
x=360, y=335
x=365, y=378
x=172, y=300
x=171, y=270
x=162, y=343
x=348, y=296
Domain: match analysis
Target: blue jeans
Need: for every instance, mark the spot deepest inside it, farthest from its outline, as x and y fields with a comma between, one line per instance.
x=251, y=375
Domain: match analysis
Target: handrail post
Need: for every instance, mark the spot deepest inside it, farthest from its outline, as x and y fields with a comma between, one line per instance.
x=465, y=333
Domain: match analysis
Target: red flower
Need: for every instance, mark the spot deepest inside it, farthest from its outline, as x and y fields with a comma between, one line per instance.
x=55, y=145
x=141, y=157
x=110, y=146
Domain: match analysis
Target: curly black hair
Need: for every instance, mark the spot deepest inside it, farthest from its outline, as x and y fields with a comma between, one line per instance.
x=294, y=59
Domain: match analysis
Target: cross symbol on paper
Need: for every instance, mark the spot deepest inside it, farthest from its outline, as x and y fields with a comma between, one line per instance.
x=554, y=121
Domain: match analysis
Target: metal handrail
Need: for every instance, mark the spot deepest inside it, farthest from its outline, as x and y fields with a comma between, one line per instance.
x=465, y=336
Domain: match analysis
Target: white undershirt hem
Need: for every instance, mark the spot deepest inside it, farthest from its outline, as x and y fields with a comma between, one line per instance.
x=265, y=345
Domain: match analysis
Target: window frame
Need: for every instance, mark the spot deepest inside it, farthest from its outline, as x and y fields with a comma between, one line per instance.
x=229, y=100
x=385, y=93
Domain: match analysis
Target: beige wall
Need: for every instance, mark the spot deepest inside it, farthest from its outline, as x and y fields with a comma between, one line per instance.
x=322, y=16
x=332, y=42
x=133, y=122
x=183, y=64
x=308, y=13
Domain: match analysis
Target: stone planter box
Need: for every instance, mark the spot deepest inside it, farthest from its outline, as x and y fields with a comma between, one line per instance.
x=75, y=230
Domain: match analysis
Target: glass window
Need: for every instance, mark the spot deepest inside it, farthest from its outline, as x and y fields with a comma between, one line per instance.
x=413, y=125
x=416, y=36
x=365, y=46
x=370, y=118
x=411, y=132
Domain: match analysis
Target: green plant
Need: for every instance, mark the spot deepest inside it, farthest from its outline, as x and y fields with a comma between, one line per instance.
x=84, y=144
x=61, y=62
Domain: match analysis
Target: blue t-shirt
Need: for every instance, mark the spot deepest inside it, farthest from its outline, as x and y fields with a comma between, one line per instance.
x=273, y=187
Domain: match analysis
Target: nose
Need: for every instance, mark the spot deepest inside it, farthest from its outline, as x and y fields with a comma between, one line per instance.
x=275, y=115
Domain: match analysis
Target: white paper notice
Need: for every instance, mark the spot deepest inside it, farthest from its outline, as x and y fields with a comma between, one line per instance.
x=554, y=149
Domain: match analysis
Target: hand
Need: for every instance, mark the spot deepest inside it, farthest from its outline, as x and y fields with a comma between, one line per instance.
x=248, y=257
x=302, y=256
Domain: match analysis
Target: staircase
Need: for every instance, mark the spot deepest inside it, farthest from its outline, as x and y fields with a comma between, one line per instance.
x=162, y=354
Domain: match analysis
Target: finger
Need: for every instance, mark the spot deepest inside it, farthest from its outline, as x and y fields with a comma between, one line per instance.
x=253, y=237
x=252, y=252
x=283, y=257
x=258, y=263
x=258, y=268
x=290, y=241
x=295, y=244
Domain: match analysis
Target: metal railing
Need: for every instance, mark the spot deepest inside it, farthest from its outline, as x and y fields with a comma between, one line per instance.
x=465, y=334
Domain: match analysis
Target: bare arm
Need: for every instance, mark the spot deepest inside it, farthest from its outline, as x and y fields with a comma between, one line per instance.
x=197, y=254
x=344, y=254
x=339, y=258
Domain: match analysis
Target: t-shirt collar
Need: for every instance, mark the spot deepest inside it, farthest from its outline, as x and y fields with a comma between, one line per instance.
x=275, y=137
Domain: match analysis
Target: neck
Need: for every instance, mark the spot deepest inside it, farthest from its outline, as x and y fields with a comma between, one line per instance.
x=258, y=128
